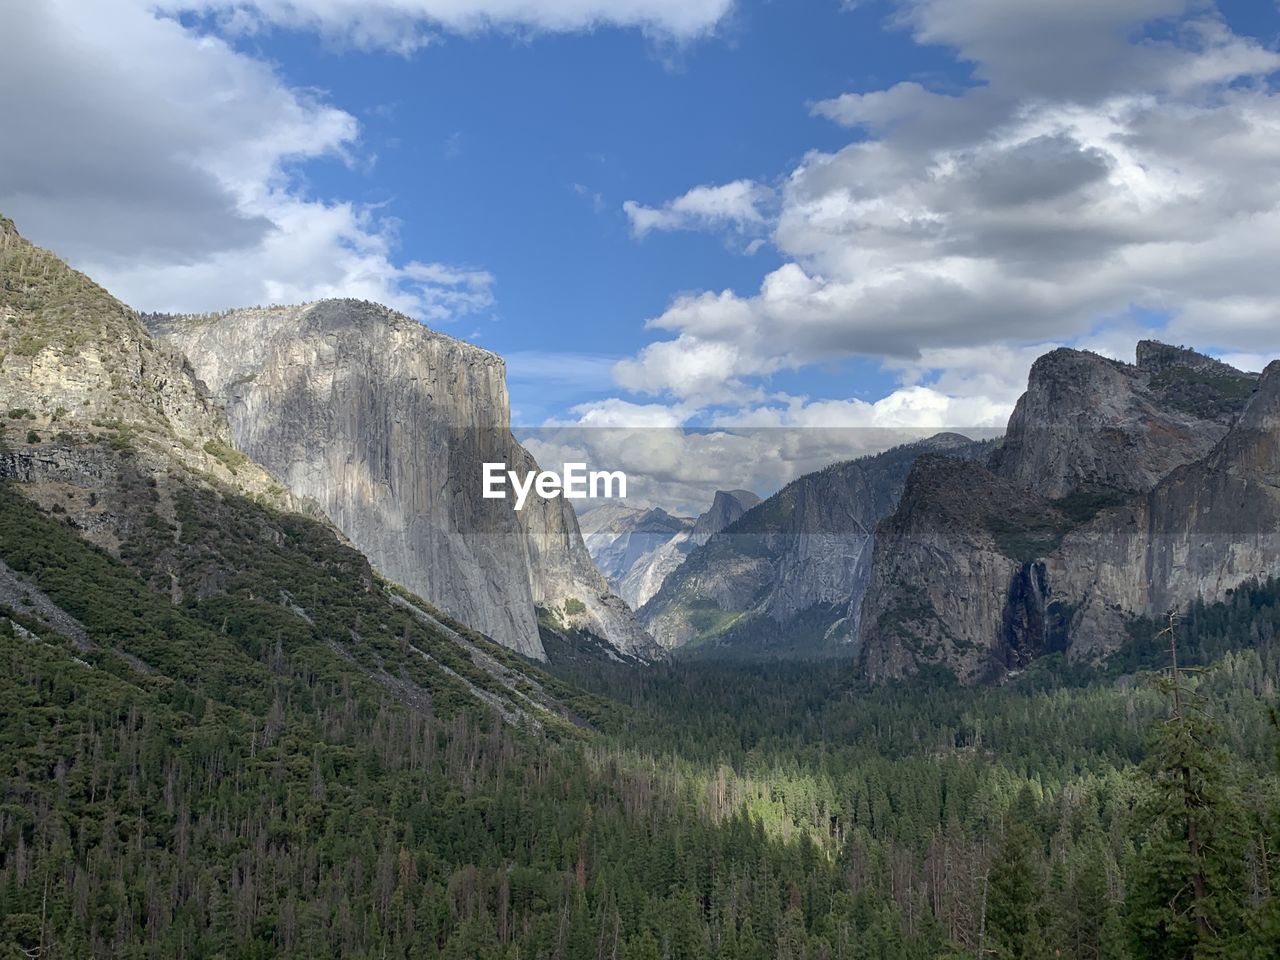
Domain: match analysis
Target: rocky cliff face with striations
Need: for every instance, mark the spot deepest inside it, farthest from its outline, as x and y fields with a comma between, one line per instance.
x=1202, y=530
x=798, y=560
x=211, y=567
x=940, y=589
x=1121, y=489
x=385, y=424
x=1090, y=423
x=635, y=549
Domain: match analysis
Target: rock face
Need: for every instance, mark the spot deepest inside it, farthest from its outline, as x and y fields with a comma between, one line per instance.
x=1120, y=490
x=1204, y=529
x=71, y=353
x=81, y=383
x=107, y=436
x=638, y=549
x=385, y=424
x=801, y=556
x=726, y=507
x=635, y=549
x=942, y=576
x=1090, y=423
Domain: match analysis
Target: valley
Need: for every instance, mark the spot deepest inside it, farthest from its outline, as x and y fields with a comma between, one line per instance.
x=279, y=681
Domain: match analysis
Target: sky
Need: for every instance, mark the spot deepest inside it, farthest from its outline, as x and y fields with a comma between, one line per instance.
x=718, y=242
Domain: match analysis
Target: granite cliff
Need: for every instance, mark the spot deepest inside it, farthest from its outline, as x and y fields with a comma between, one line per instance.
x=790, y=572
x=726, y=507
x=1201, y=531
x=385, y=424
x=941, y=578
x=638, y=549
x=140, y=545
x=1121, y=490
x=1087, y=422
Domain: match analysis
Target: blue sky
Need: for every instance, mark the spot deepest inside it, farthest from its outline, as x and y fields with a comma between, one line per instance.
x=677, y=213
x=515, y=154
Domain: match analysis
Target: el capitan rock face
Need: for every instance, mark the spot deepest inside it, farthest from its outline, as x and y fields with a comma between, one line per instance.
x=385, y=424
x=122, y=453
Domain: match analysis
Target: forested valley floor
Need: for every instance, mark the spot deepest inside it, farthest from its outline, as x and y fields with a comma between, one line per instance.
x=225, y=781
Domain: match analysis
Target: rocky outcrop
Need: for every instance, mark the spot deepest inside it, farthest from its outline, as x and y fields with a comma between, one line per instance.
x=944, y=574
x=1202, y=531
x=72, y=355
x=800, y=554
x=1120, y=490
x=386, y=424
x=82, y=382
x=1089, y=423
x=726, y=507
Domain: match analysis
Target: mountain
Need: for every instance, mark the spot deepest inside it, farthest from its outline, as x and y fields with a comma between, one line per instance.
x=385, y=424
x=726, y=507
x=1089, y=422
x=944, y=561
x=789, y=572
x=1202, y=531
x=1121, y=491
x=637, y=549
x=137, y=538
x=224, y=734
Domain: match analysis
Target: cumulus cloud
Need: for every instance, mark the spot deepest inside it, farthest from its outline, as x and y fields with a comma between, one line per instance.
x=678, y=464
x=1114, y=158
x=154, y=155
x=677, y=454
x=737, y=205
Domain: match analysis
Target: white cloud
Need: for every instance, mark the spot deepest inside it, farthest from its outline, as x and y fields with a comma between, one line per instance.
x=762, y=446
x=737, y=205
x=405, y=25
x=164, y=162
x=1087, y=179
x=168, y=175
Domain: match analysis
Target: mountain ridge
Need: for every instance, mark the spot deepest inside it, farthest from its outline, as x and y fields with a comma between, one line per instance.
x=1124, y=491
x=385, y=423
x=798, y=555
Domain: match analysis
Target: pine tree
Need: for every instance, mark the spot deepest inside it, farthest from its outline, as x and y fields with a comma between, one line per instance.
x=1015, y=894
x=1186, y=891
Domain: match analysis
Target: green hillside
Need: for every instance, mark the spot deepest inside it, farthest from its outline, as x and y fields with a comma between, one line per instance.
x=272, y=768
